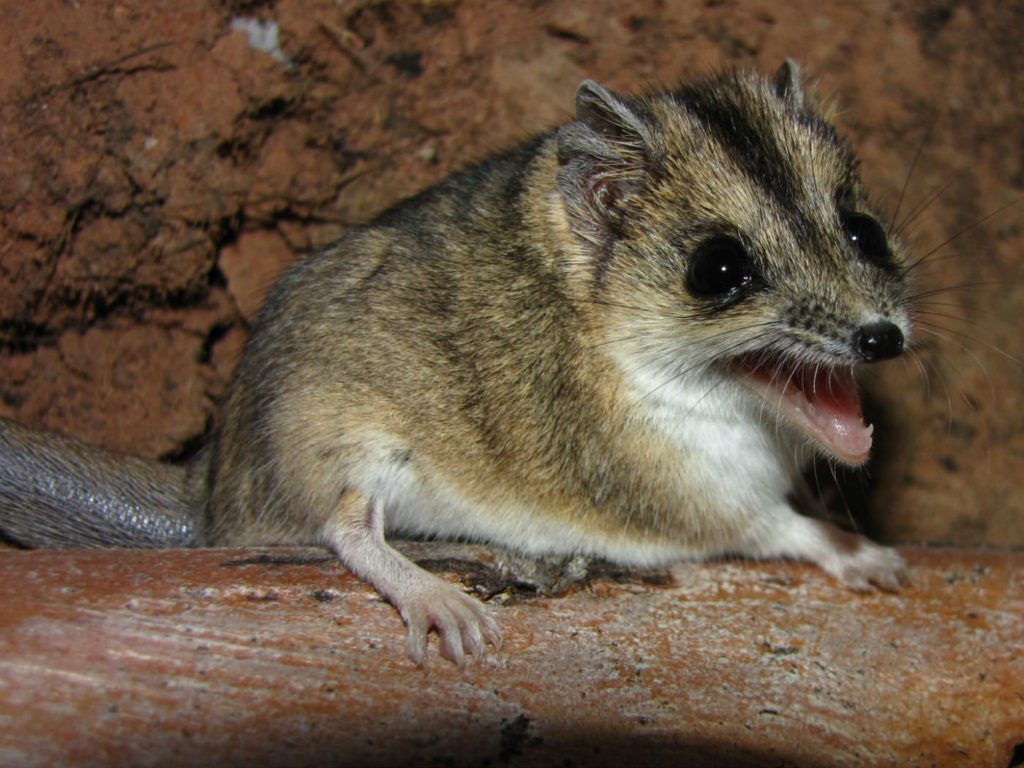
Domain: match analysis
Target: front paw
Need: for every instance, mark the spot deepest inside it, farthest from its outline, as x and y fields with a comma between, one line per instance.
x=860, y=563
x=854, y=560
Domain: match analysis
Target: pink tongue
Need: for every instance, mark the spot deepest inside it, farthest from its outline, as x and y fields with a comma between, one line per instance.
x=821, y=402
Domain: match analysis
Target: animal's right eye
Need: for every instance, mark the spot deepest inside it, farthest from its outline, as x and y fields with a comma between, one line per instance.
x=720, y=269
x=867, y=237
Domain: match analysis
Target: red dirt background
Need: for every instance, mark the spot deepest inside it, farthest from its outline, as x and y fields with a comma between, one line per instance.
x=157, y=171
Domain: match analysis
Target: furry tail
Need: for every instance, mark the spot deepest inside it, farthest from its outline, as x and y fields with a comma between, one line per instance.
x=57, y=492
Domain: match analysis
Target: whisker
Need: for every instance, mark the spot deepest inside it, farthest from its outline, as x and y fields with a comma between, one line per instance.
x=945, y=389
x=933, y=328
x=709, y=356
x=902, y=228
x=958, y=313
x=915, y=297
x=842, y=496
x=923, y=313
x=617, y=340
x=655, y=312
x=703, y=397
x=981, y=366
x=962, y=232
x=910, y=173
x=916, y=357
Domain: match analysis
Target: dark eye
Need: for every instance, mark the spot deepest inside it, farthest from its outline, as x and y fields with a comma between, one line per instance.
x=719, y=269
x=868, y=237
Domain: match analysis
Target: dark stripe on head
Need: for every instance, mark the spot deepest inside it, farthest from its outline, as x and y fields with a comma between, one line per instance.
x=740, y=121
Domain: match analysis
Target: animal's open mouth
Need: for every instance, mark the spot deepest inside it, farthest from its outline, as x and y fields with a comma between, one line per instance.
x=819, y=400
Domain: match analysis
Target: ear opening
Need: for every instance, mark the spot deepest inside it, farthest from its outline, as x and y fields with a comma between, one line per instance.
x=603, y=153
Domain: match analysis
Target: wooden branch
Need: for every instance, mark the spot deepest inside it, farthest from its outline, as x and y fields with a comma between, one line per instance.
x=280, y=658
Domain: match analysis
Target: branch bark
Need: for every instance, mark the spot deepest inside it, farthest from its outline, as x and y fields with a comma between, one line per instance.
x=279, y=657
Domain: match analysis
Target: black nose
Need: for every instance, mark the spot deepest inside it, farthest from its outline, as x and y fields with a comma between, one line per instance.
x=879, y=341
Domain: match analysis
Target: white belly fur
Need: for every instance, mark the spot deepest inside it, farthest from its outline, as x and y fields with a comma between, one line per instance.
x=740, y=458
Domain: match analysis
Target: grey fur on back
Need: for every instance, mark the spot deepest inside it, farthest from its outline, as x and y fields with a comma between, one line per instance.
x=56, y=492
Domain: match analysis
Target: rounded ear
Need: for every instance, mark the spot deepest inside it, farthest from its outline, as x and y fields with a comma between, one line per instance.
x=789, y=83
x=603, y=154
x=609, y=116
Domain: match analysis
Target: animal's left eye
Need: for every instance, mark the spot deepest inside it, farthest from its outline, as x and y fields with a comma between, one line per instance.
x=867, y=236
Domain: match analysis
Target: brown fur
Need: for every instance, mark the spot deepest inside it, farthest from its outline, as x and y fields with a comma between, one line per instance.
x=487, y=359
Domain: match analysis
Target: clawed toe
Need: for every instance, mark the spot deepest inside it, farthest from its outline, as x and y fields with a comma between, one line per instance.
x=868, y=565
x=424, y=601
x=463, y=625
